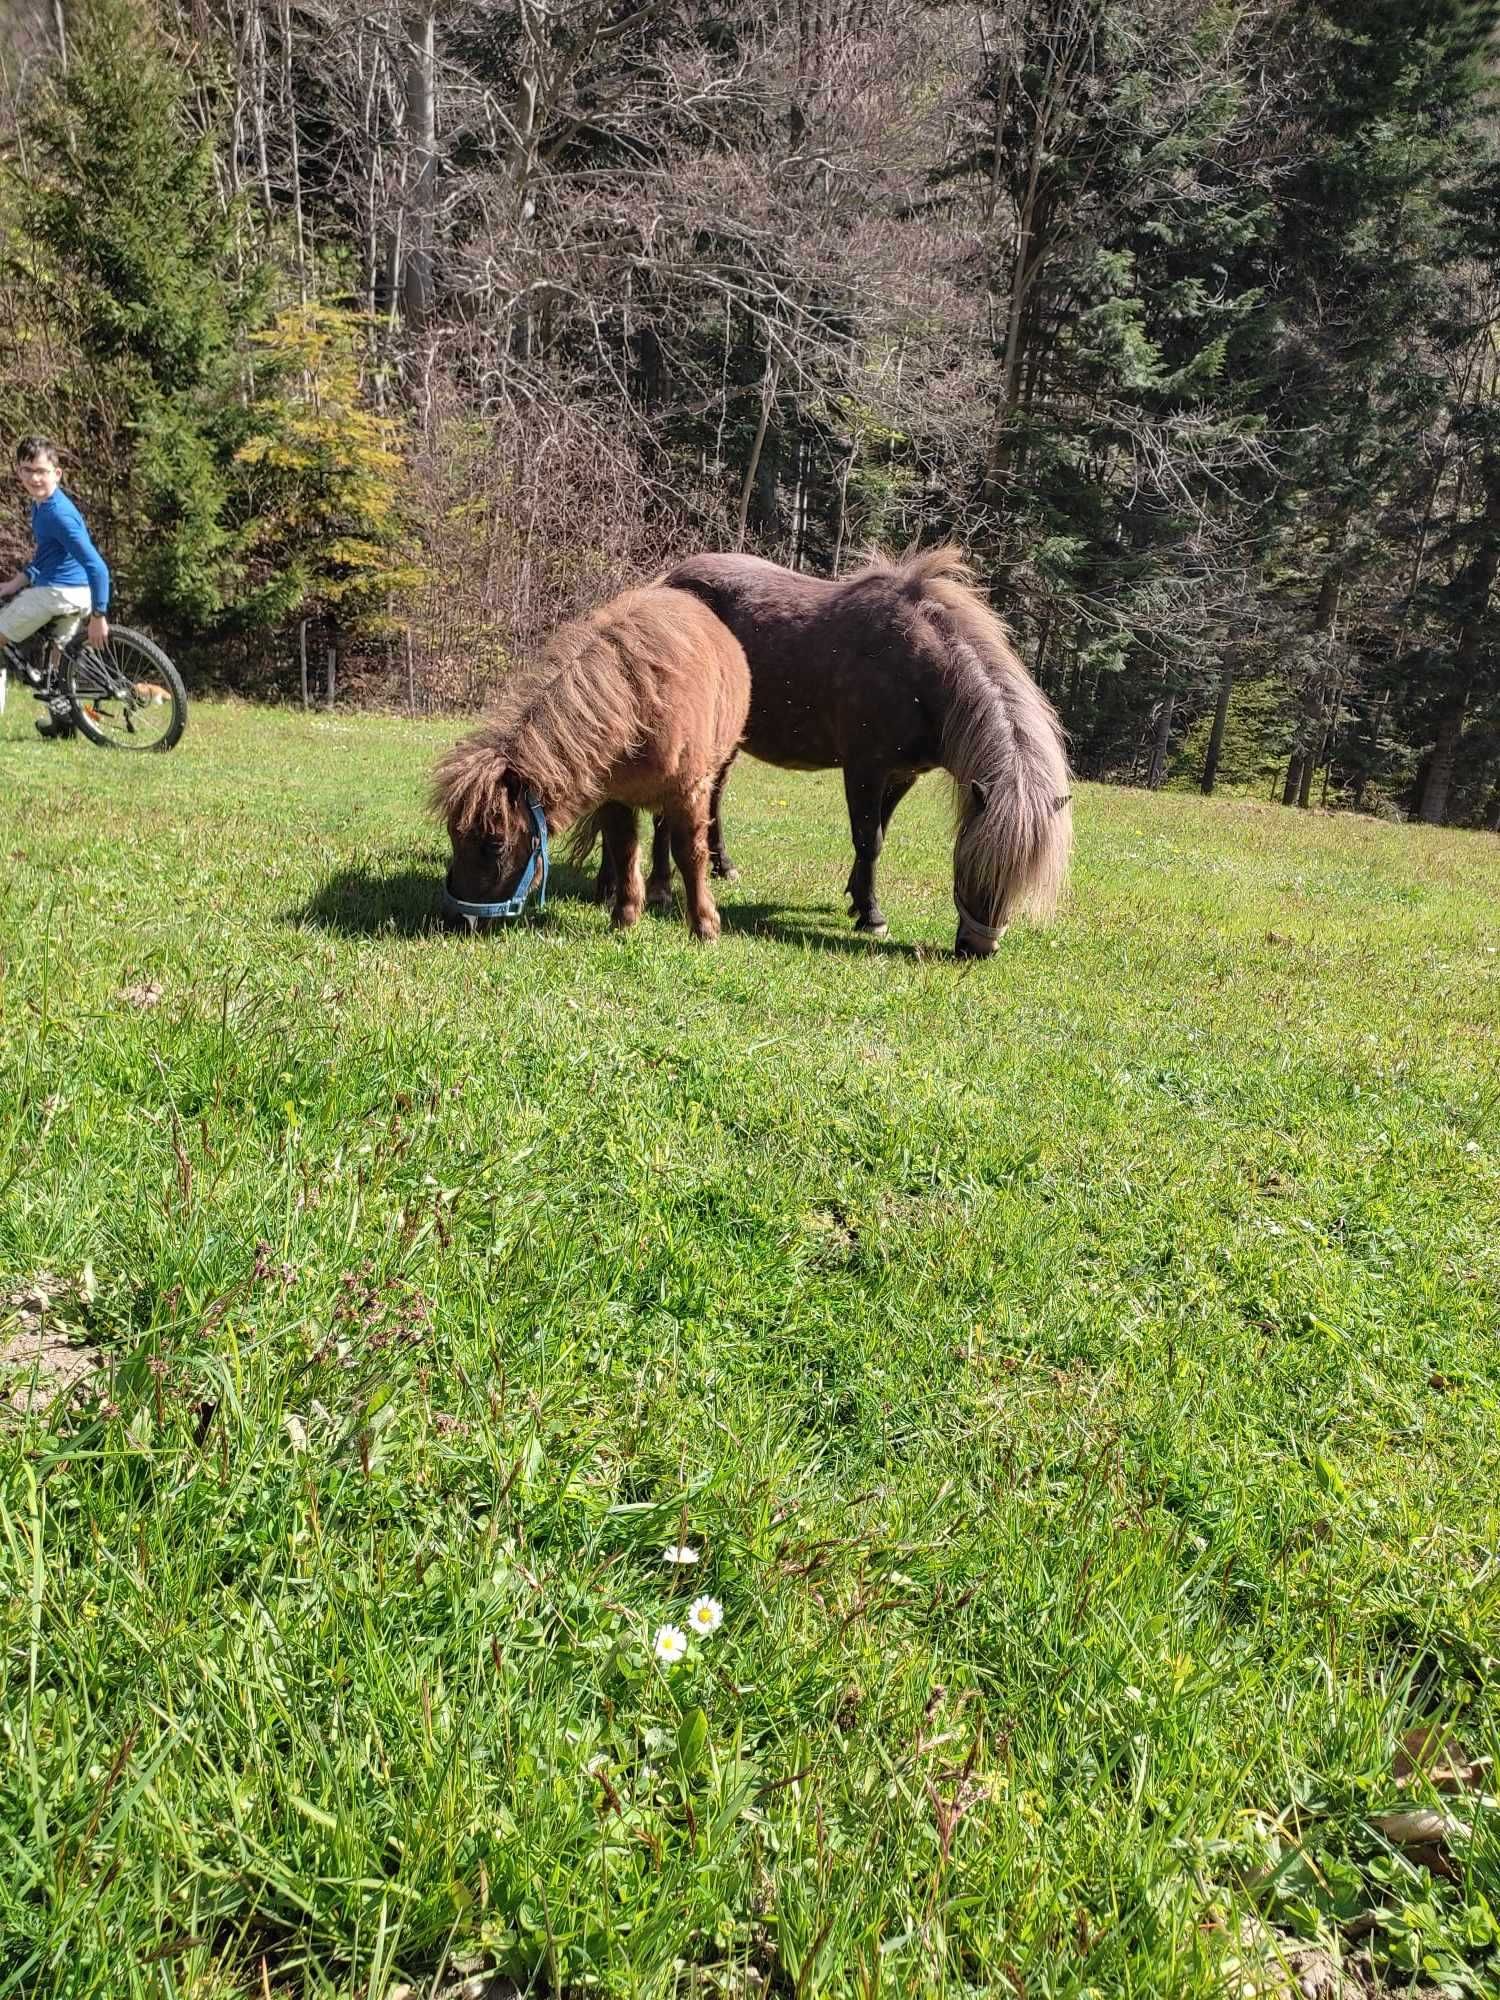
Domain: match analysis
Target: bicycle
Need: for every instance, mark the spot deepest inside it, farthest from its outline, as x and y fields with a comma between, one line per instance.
x=127, y=697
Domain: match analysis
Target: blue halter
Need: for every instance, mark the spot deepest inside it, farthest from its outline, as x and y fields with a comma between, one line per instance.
x=535, y=874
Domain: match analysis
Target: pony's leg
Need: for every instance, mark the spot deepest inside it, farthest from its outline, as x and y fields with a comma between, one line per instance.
x=895, y=791
x=604, y=882
x=722, y=866
x=622, y=844
x=659, y=885
x=865, y=792
x=689, y=834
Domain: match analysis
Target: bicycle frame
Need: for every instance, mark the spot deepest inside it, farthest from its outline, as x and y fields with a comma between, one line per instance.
x=36, y=661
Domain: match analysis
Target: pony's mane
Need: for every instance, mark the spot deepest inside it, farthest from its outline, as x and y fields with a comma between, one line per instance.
x=918, y=568
x=558, y=727
x=1002, y=735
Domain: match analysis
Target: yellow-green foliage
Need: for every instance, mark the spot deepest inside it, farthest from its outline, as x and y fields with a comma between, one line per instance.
x=329, y=514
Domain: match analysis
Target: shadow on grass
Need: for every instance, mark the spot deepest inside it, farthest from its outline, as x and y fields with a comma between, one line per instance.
x=363, y=902
x=406, y=902
x=823, y=926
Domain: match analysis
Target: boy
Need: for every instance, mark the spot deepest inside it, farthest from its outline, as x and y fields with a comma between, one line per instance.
x=66, y=577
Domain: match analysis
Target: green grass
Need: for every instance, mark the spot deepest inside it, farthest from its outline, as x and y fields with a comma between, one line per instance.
x=1078, y=1373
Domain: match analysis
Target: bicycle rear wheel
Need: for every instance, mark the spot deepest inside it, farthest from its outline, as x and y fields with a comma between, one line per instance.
x=129, y=696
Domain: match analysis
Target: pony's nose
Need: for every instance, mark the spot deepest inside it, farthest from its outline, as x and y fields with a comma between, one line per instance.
x=966, y=945
x=458, y=920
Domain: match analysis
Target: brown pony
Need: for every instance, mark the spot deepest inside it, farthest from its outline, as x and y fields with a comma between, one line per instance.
x=893, y=671
x=642, y=703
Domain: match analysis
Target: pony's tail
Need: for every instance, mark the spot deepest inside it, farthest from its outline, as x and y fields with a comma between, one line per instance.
x=1004, y=738
x=584, y=836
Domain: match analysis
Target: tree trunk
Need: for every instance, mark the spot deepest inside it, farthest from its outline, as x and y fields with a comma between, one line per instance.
x=1313, y=701
x=1492, y=813
x=799, y=504
x=766, y=508
x=1328, y=598
x=1156, y=775
x=1371, y=750
x=1479, y=577
x=1216, y=735
x=289, y=112
x=841, y=517
x=767, y=396
x=1304, y=758
x=1075, y=693
x=421, y=124
x=1434, y=807
x=1039, y=662
x=1030, y=257
x=255, y=45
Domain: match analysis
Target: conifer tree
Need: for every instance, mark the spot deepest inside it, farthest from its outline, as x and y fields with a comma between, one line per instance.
x=1121, y=255
x=1457, y=679
x=1383, y=113
x=131, y=264
x=321, y=500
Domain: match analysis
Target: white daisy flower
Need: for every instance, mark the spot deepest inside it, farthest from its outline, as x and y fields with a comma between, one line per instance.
x=705, y=1615
x=671, y=1644
x=679, y=1553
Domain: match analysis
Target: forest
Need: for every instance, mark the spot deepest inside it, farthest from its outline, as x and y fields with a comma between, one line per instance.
x=380, y=337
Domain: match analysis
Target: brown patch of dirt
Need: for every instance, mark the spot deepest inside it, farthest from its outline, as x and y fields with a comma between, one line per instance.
x=1270, y=1966
x=42, y=1356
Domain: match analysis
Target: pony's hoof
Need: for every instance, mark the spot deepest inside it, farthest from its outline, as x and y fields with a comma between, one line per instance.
x=660, y=899
x=624, y=920
x=872, y=927
x=725, y=872
x=707, y=933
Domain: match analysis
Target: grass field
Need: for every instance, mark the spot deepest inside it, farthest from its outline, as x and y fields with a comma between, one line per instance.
x=1078, y=1376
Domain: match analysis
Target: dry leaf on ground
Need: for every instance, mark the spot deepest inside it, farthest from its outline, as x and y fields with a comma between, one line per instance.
x=1417, y=1826
x=1429, y=1753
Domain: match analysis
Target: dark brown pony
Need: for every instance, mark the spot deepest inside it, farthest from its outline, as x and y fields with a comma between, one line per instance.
x=899, y=669
x=642, y=703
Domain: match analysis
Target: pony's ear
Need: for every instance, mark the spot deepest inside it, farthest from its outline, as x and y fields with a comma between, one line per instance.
x=980, y=792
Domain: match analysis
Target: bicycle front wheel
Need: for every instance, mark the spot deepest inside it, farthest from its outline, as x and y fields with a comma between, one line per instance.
x=129, y=696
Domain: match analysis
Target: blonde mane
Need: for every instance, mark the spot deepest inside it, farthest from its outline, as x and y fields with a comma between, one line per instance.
x=1002, y=740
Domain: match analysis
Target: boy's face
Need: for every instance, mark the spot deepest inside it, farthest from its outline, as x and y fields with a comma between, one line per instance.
x=38, y=477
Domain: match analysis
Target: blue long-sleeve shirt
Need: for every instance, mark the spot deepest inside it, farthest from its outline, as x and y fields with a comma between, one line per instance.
x=65, y=556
